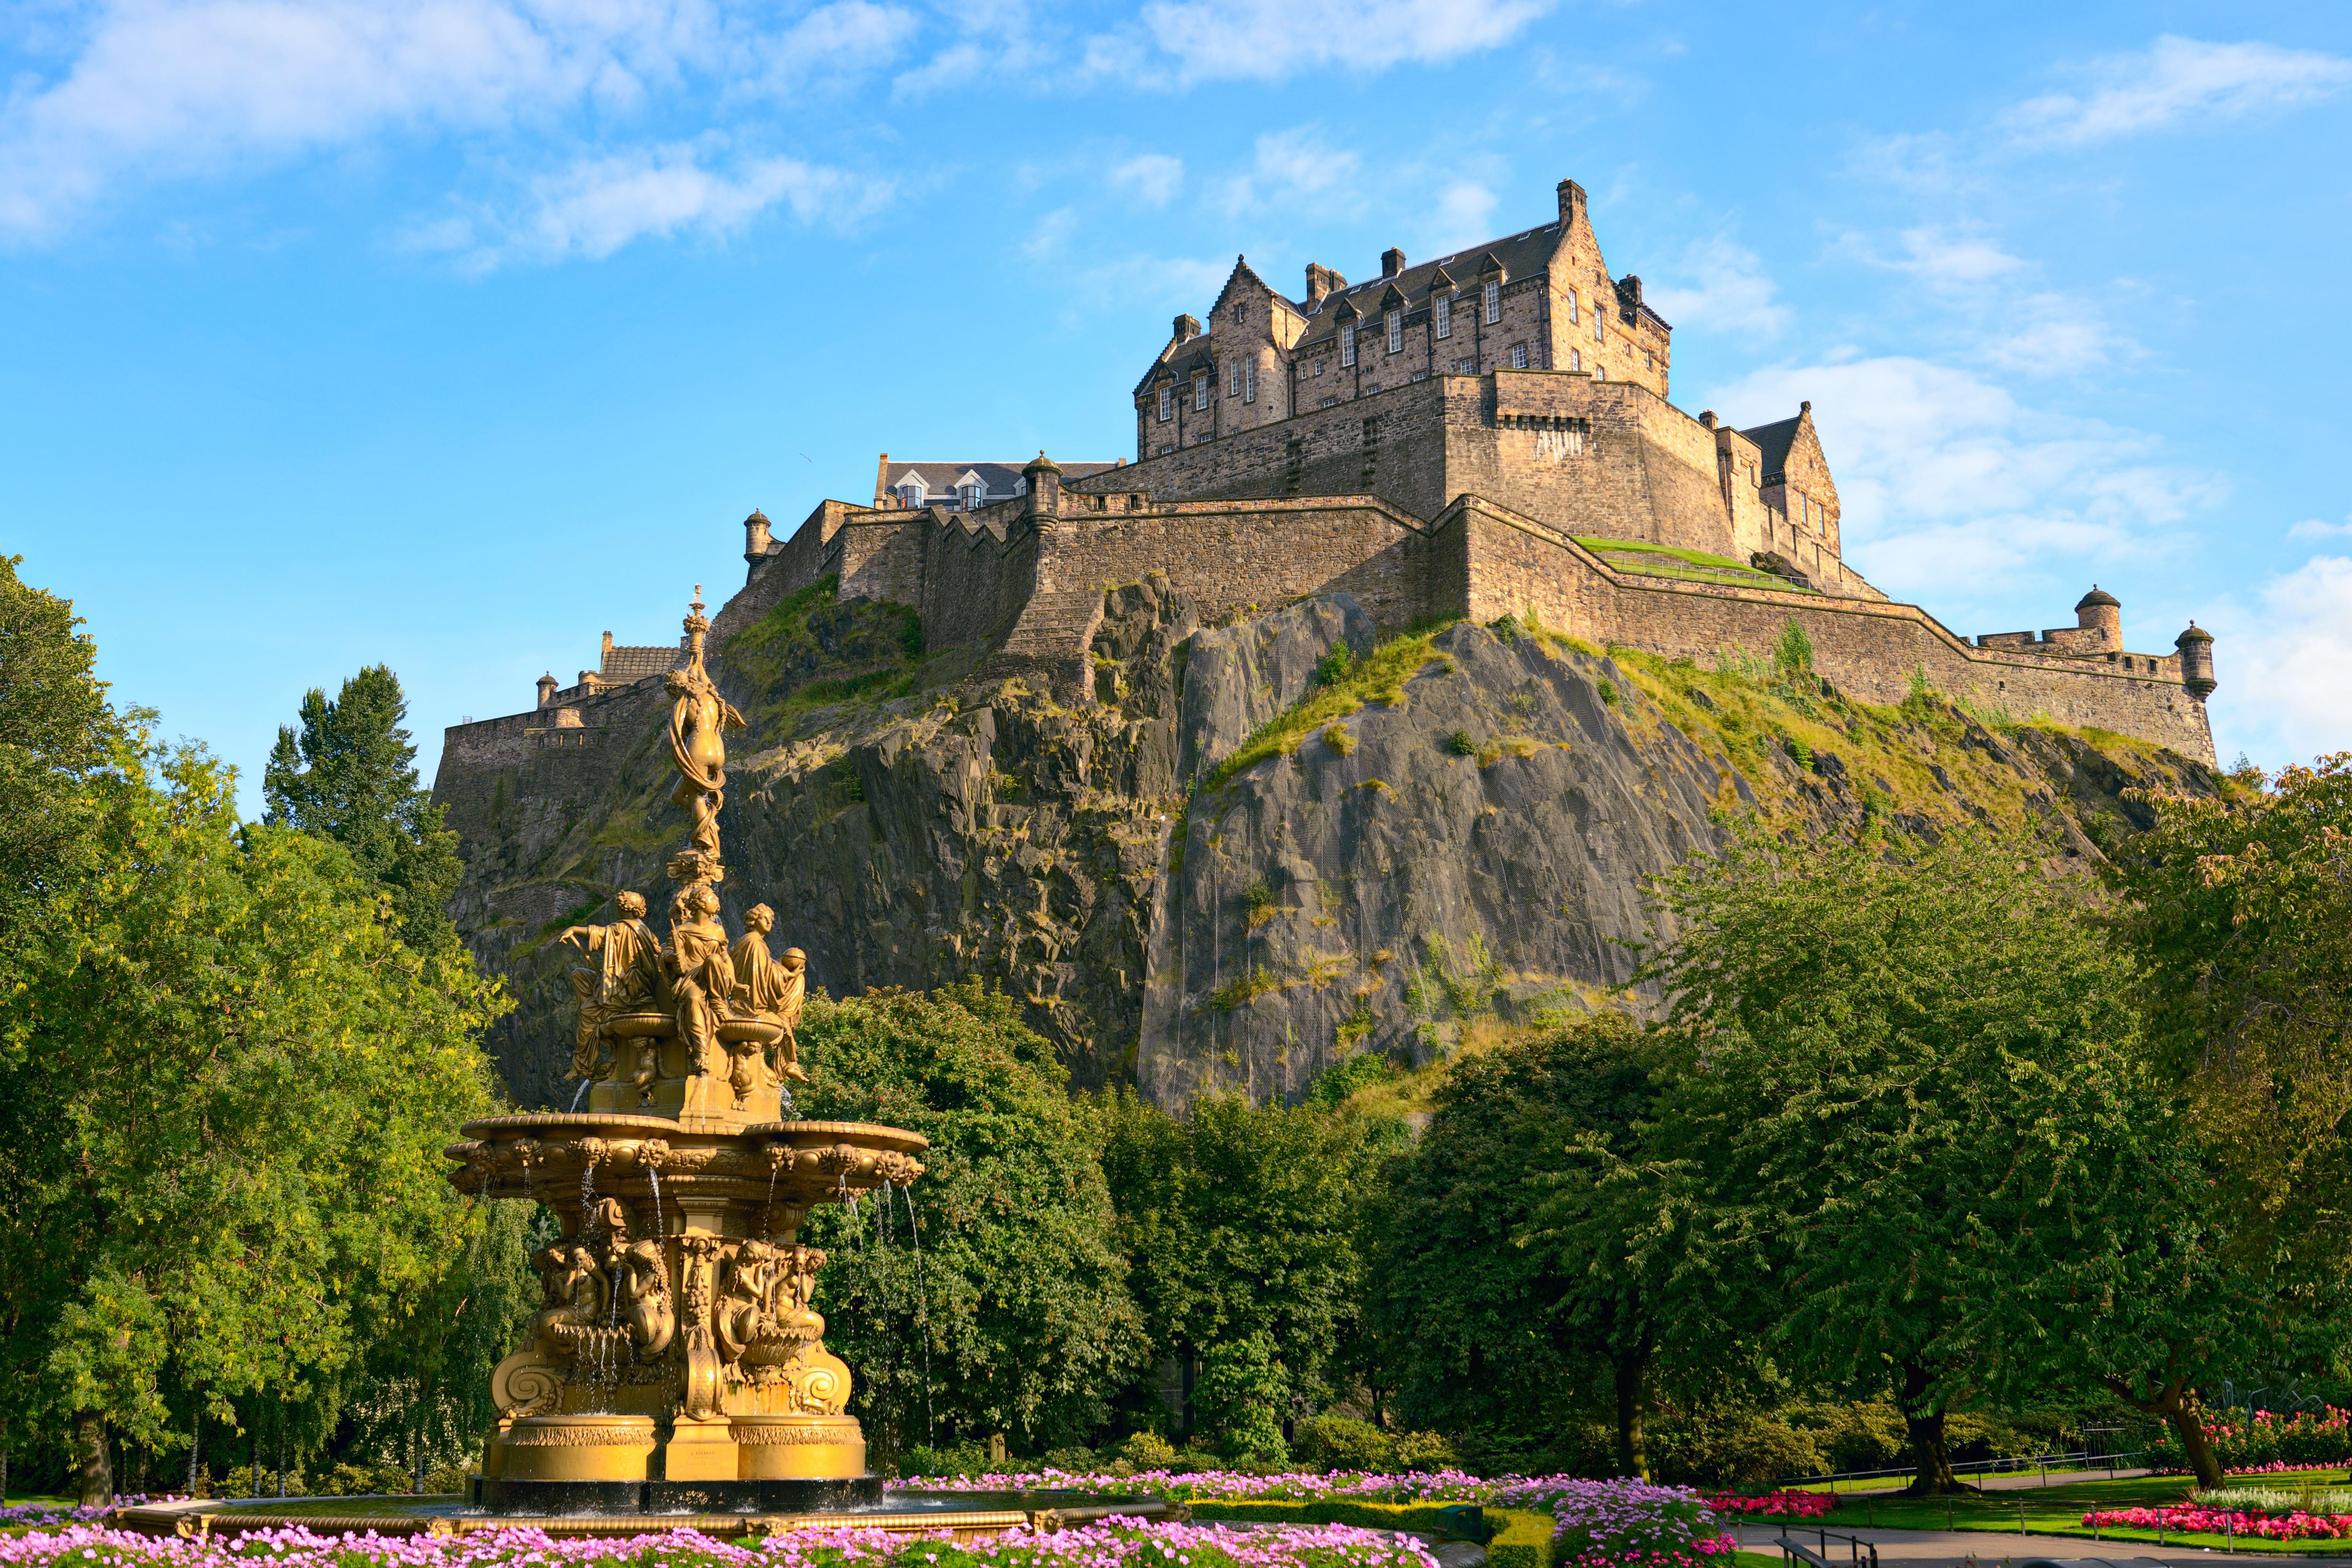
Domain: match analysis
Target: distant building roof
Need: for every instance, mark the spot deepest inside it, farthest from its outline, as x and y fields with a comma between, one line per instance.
x=1520, y=256
x=624, y=665
x=1775, y=439
x=941, y=481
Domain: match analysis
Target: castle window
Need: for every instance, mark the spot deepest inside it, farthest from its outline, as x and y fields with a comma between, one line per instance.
x=1493, y=300
x=1166, y=449
x=1329, y=402
x=1233, y=378
x=1200, y=392
x=1518, y=356
x=969, y=496
x=1249, y=382
x=1601, y=373
x=1571, y=307
x=1241, y=311
x=1576, y=359
x=1347, y=343
x=1396, y=331
x=910, y=489
x=1167, y=404
x=1600, y=326
x=1467, y=367
x=1444, y=309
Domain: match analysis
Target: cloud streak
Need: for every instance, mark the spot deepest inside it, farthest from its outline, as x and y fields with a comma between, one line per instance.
x=2174, y=80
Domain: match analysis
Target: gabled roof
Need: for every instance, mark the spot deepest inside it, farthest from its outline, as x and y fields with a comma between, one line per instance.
x=1518, y=256
x=1002, y=478
x=1774, y=440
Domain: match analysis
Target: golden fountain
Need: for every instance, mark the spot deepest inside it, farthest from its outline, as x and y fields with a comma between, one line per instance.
x=677, y=1362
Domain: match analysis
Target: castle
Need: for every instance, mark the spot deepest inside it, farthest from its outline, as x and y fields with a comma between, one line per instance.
x=1483, y=435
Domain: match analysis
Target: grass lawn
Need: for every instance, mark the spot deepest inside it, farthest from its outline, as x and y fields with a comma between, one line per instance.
x=2056, y=1509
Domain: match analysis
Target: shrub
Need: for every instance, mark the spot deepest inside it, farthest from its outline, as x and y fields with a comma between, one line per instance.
x=1793, y=655
x=1341, y=1443
x=1333, y=667
x=1338, y=737
x=1608, y=689
x=1460, y=743
x=1148, y=1451
x=1241, y=1389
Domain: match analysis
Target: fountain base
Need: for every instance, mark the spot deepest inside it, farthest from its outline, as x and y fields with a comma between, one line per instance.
x=546, y=1499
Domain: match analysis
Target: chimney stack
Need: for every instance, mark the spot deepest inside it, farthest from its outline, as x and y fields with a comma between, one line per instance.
x=1186, y=330
x=1571, y=202
x=1392, y=262
x=1321, y=283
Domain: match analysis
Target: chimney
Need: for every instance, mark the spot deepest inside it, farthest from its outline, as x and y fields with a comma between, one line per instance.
x=882, y=495
x=605, y=659
x=1571, y=202
x=547, y=689
x=1045, y=476
x=1392, y=262
x=1630, y=286
x=1321, y=282
x=1186, y=329
x=1707, y=417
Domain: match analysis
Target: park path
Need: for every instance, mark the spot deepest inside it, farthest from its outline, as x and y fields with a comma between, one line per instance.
x=1986, y=1548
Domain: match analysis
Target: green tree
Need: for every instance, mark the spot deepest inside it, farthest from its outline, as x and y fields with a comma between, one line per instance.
x=221, y=1113
x=349, y=774
x=1015, y=1314
x=1919, y=1107
x=2240, y=915
x=1243, y=1393
x=1238, y=1219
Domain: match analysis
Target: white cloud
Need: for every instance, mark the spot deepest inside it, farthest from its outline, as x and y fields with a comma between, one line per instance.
x=1153, y=178
x=1951, y=489
x=1464, y=215
x=183, y=87
x=1264, y=41
x=2313, y=528
x=597, y=206
x=1943, y=259
x=2175, y=80
x=1287, y=164
x=1719, y=286
x=2282, y=667
x=843, y=38
x=1052, y=234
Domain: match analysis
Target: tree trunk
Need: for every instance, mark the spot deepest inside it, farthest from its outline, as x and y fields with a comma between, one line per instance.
x=1926, y=1427
x=89, y=1448
x=1632, y=1445
x=2188, y=1418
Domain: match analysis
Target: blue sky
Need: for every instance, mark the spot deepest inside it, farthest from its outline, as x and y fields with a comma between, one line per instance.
x=450, y=333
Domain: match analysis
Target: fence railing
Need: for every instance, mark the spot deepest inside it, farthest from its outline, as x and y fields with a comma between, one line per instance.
x=1858, y=1551
x=2081, y=1459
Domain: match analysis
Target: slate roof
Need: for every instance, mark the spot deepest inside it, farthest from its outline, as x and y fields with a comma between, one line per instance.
x=1003, y=480
x=1775, y=439
x=1521, y=254
x=627, y=665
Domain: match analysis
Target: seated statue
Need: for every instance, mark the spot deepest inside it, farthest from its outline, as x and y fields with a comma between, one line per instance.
x=702, y=981
x=773, y=991
x=619, y=972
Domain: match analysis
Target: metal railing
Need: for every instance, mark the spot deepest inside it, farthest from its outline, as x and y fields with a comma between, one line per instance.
x=2081, y=1459
x=1858, y=1551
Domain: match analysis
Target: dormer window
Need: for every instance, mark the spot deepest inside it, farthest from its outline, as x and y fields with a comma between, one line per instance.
x=1167, y=404
x=968, y=496
x=1494, y=299
x=910, y=490
x=1396, y=331
x=1442, y=309
x=1347, y=343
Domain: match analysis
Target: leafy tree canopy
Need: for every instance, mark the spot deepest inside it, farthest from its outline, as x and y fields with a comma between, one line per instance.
x=349, y=774
x=1014, y=1316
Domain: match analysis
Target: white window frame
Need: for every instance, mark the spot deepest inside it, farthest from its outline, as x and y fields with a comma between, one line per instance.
x=1249, y=381
x=1396, y=331
x=1600, y=325
x=969, y=496
x=1167, y=404
x=1444, y=309
x=910, y=489
x=1493, y=300
x=1200, y=393
x=1518, y=356
x=1601, y=373
x=1576, y=359
x=1347, y=343
x=1571, y=307
x=1232, y=378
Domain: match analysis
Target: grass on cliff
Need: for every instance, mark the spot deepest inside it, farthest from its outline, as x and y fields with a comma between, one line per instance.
x=1343, y=684
x=812, y=651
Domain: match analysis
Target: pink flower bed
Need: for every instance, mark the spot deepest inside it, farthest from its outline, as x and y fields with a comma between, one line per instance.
x=2187, y=1519
x=1774, y=1505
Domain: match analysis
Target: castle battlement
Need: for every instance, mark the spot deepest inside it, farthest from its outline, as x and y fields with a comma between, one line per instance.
x=1485, y=435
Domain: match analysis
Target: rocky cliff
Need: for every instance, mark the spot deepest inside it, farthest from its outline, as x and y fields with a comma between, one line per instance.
x=1260, y=847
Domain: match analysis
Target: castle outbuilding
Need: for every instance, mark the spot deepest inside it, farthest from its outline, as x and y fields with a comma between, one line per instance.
x=1482, y=434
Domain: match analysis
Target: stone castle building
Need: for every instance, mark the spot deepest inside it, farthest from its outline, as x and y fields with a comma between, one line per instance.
x=1482, y=434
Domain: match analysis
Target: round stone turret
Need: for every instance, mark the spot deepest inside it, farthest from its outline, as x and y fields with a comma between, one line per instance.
x=2195, y=646
x=756, y=536
x=547, y=689
x=2104, y=613
x=1044, y=478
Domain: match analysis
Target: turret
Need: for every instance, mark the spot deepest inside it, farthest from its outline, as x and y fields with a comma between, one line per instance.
x=2196, y=647
x=756, y=537
x=1045, y=476
x=2102, y=612
x=547, y=689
